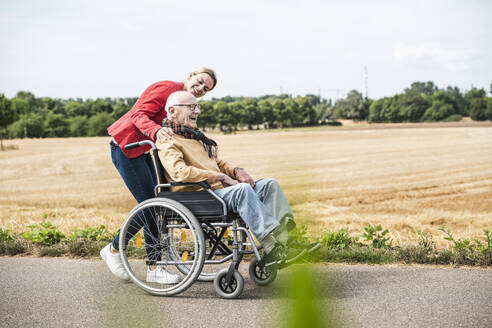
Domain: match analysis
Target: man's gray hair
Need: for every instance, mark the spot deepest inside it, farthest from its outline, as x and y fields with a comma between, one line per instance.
x=174, y=98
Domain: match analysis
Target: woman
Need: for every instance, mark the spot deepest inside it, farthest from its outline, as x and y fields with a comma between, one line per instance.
x=144, y=122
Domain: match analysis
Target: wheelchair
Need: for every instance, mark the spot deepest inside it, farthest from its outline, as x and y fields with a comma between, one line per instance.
x=186, y=233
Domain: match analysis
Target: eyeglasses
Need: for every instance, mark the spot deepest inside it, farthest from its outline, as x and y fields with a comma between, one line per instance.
x=190, y=106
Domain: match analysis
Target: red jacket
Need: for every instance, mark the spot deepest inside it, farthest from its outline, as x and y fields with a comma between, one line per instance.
x=144, y=119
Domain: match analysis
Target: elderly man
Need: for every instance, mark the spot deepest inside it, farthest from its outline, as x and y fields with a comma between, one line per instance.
x=189, y=156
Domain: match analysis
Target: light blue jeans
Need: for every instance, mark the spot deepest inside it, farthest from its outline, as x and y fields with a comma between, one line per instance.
x=263, y=208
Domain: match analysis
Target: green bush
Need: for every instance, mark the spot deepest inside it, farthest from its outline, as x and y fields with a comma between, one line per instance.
x=13, y=247
x=5, y=235
x=297, y=236
x=92, y=234
x=9, y=244
x=340, y=239
x=424, y=252
x=438, y=111
x=453, y=118
x=376, y=235
x=463, y=249
x=485, y=249
x=44, y=233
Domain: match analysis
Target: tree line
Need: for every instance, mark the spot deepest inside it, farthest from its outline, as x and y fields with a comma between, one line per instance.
x=26, y=115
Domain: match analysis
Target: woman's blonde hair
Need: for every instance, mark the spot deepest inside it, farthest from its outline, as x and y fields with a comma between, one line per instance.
x=208, y=71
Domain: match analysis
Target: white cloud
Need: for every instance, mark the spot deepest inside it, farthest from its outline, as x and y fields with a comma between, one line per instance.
x=452, y=59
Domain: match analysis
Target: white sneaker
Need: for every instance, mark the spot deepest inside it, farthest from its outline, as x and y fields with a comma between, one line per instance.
x=114, y=263
x=161, y=276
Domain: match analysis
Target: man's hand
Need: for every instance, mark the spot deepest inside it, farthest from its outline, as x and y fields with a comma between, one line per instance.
x=243, y=176
x=226, y=180
x=163, y=134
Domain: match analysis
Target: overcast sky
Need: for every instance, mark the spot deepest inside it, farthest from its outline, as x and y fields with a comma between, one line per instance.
x=92, y=49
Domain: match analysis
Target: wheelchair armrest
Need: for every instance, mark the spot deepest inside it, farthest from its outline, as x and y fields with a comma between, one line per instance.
x=204, y=184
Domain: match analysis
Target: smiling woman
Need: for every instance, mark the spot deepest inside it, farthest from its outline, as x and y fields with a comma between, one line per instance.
x=144, y=122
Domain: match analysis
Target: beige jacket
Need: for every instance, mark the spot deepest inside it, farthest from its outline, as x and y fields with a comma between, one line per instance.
x=186, y=160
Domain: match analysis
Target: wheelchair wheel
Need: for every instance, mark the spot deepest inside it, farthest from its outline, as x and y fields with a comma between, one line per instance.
x=165, y=222
x=231, y=290
x=261, y=275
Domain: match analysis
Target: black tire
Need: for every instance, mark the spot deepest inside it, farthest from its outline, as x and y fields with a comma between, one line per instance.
x=235, y=288
x=262, y=276
x=162, y=212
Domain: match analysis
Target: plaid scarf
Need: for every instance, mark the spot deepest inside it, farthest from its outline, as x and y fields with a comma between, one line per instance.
x=193, y=133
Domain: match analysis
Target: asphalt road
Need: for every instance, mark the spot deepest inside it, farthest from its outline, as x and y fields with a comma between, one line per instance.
x=47, y=292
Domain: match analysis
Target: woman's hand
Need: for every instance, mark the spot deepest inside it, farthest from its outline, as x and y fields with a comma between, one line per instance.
x=164, y=134
x=226, y=180
x=243, y=176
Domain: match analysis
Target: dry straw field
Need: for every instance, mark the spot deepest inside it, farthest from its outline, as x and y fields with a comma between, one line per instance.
x=405, y=177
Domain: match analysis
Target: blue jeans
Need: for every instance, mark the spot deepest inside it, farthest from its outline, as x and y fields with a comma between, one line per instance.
x=263, y=208
x=139, y=176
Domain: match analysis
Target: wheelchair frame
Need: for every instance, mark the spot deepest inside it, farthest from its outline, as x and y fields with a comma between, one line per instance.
x=228, y=282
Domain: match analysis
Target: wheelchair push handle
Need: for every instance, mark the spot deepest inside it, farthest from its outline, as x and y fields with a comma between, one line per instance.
x=140, y=144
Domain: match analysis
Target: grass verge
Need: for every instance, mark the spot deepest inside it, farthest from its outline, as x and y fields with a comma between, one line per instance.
x=372, y=247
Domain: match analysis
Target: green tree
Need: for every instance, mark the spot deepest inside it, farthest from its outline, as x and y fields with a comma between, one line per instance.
x=79, y=126
x=56, y=126
x=280, y=112
x=224, y=116
x=267, y=112
x=100, y=106
x=238, y=113
x=289, y=115
x=21, y=106
x=323, y=112
x=29, y=125
x=305, y=114
x=413, y=106
x=438, y=111
x=352, y=107
x=375, y=111
x=27, y=96
x=422, y=88
x=76, y=108
x=489, y=109
x=470, y=95
x=99, y=123
x=442, y=106
x=120, y=109
x=252, y=115
x=456, y=97
x=313, y=99
x=390, y=111
x=478, y=109
x=207, y=116
x=7, y=115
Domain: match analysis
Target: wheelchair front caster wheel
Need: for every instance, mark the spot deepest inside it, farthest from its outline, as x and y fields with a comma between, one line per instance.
x=228, y=290
x=262, y=276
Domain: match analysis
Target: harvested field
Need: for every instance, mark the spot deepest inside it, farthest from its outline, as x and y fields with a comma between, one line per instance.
x=405, y=177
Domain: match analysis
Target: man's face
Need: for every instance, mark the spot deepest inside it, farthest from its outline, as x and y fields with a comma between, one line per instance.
x=199, y=84
x=185, y=111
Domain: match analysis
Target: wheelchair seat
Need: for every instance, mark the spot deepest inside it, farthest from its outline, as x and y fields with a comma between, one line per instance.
x=201, y=203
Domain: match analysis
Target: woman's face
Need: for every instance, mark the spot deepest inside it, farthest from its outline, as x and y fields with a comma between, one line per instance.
x=199, y=84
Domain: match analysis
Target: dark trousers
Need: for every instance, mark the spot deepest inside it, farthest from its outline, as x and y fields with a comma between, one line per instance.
x=140, y=178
